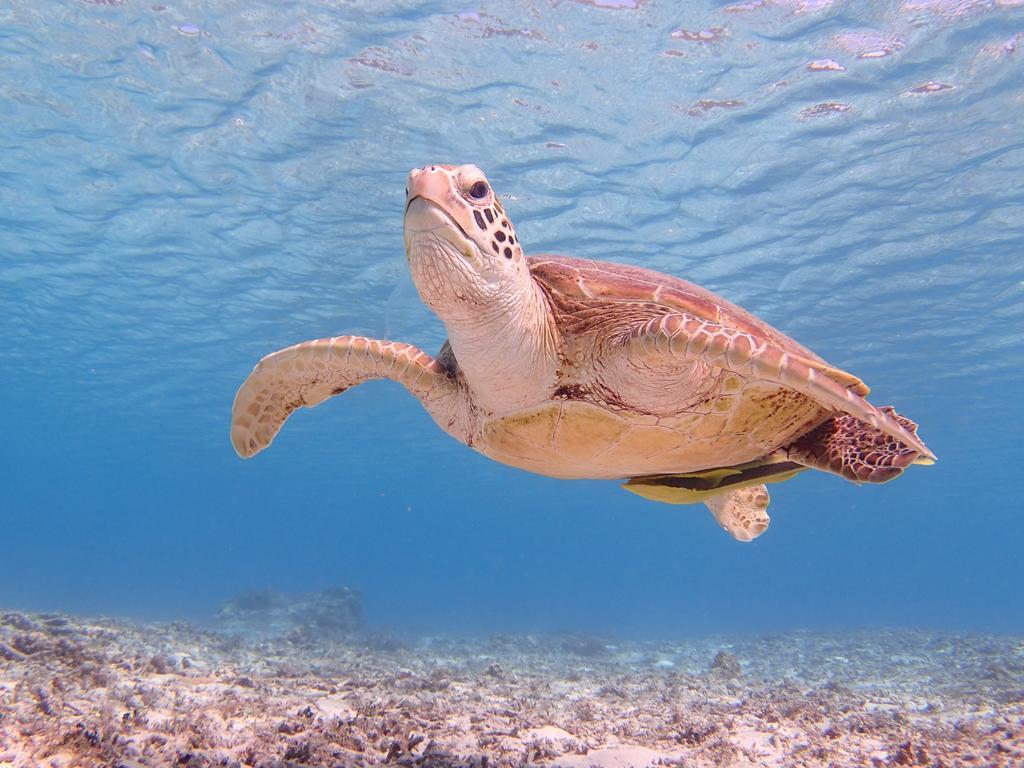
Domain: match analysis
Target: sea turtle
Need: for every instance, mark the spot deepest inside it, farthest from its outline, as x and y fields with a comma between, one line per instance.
x=574, y=368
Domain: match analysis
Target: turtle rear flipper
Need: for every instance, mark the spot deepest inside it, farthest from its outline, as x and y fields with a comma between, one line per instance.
x=736, y=496
x=742, y=512
x=852, y=449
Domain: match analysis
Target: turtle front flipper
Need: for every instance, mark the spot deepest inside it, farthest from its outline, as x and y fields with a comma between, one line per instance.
x=683, y=336
x=306, y=374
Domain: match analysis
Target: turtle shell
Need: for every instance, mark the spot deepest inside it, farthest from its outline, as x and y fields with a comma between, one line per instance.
x=582, y=280
x=590, y=430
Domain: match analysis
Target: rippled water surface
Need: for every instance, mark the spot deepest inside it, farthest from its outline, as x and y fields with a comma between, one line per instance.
x=186, y=187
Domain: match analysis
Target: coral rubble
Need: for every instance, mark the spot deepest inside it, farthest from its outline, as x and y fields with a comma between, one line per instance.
x=90, y=693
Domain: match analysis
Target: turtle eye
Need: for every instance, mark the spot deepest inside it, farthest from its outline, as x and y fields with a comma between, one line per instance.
x=479, y=190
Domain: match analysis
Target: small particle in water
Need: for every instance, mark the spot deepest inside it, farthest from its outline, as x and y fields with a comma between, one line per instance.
x=1005, y=48
x=629, y=5
x=707, y=35
x=744, y=7
x=238, y=122
x=1011, y=45
x=708, y=105
x=825, y=65
x=377, y=57
x=812, y=6
x=930, y=87
x=188, y=30
x=951, y=9
x=554, y=145
x=825, y=108
x=147, y=52
x=868, y=44
x=529, y=34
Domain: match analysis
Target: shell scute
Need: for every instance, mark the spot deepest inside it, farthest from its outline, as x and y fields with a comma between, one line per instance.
x=555, y=439
x=582, y=279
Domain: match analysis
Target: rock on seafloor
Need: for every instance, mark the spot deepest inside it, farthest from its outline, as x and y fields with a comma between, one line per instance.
x=100, y=692
x=267, y=613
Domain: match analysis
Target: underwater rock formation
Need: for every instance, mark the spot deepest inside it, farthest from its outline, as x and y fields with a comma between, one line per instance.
x=330, y=614
x=725, y=666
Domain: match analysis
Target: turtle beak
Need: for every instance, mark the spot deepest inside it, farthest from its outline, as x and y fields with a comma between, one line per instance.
x=432, y=183
x=423, y=216
x=429, y=203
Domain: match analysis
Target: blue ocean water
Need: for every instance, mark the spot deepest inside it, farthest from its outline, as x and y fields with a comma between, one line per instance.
x=187, y=187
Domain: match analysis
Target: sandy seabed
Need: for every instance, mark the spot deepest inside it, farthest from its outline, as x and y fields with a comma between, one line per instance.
x=99, y=692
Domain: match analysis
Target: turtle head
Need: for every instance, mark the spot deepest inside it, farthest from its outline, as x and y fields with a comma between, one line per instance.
x=463, y=251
